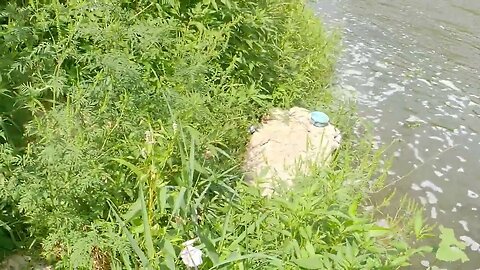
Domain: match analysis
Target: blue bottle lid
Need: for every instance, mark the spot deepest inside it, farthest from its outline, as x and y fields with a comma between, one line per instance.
x=319, y=119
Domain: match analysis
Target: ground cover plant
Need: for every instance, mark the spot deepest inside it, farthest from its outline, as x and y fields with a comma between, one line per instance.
x=124, y=125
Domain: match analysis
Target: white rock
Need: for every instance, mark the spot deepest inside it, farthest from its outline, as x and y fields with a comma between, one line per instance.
x=285, y=146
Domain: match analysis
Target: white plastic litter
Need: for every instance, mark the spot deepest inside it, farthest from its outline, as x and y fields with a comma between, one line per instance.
x=191, y=256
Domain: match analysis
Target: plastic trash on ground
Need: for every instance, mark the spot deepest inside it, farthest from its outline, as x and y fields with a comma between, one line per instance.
x=286, y=145
x=191, y=256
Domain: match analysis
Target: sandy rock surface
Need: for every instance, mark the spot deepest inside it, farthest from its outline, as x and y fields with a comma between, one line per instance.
x=286, y=145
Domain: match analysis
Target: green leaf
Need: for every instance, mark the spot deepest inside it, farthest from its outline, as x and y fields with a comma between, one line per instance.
x=350, y=252
x=226, y=3
x=133, y=211
x=169, y=252
x=451, y=254
x=303, y=233
x=168, y=248
x=179, y=201
x=310, y=249
x=199, y=168
x=426, y=249
x=447, y=236
x=352, y=210
x=129, y=165
x=199, y=25
x=192, y=162
x=312, y=262
x=146, y=226
x=400, y=245
x=401, y=261
x=377, y=231
x=450, y=249
x=162, y=199
x=133, y=242
x=214, y=4
x=212, y=253
x=418, y=223
x=126, y=260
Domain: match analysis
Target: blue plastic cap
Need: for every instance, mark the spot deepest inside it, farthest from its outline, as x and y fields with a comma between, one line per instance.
x=319, y=119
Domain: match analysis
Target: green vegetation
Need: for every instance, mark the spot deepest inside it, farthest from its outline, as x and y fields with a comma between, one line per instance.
x=124, y=124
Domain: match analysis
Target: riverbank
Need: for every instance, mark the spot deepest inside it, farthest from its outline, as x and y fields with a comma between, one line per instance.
x=136, y=128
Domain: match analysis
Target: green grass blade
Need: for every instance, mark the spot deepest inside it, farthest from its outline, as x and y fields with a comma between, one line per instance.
x=146, y=226
x=191, y=163
x=129, y=165
x=126, y=260
x=162, y=199
x=179, y=201
x=133, y=211
x=131, y=239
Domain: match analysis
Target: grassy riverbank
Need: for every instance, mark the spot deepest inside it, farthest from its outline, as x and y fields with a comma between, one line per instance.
x=123, y=129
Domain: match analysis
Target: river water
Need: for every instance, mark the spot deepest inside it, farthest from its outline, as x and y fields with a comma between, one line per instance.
x=414, y=66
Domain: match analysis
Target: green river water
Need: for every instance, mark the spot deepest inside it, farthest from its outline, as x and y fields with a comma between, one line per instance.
x=414, y=66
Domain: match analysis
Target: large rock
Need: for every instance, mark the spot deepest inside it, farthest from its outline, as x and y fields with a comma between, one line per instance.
x=285, y=146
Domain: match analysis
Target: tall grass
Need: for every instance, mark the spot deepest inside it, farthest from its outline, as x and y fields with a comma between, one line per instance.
x=130, y=125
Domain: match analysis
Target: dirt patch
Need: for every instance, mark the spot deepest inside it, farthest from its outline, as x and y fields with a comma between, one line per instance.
x=287, y=145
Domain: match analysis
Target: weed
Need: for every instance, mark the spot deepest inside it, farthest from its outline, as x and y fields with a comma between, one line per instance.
x=123, y=129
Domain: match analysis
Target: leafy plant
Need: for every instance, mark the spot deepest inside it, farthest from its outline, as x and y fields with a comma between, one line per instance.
x=123, y=132
x=450, y=249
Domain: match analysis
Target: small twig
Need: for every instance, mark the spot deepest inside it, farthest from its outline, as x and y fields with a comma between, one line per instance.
x=141, y=11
